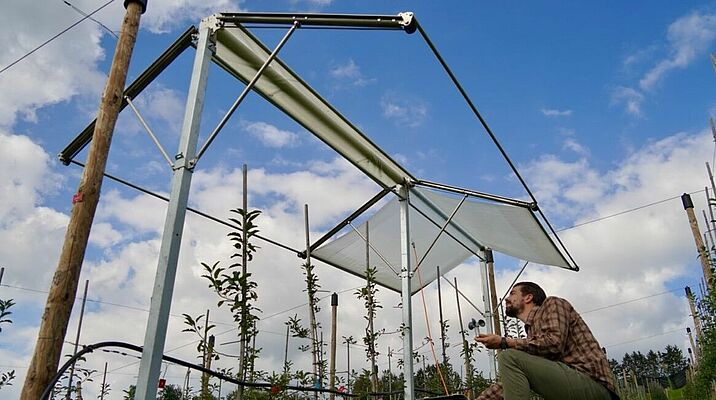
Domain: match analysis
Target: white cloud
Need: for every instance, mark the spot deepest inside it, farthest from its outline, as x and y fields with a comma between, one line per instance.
x=576, y=147
x=163, y=15
x=349, y=74
x=688, y=37
x=556, y=113
x=630, y=98
x=272, y=136
x=68, y=65
x=410, y=112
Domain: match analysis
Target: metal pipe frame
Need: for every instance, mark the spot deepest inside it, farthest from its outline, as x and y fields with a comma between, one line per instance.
x=133, y=90
x=437, y=237
x=440, y=212
x=368, y=204
x=245, y=92
x=406, y=273
x=488, y=312
x=155, y=336
x=402, y=21
x=473, y=193
x=149, y=131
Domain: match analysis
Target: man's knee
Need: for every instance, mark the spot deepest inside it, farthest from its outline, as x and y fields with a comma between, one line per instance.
x=510, y=356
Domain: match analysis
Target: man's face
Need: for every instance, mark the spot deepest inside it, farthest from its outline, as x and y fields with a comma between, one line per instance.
x=515, y=302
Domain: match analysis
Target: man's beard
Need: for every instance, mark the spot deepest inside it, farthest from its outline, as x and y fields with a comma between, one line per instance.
x=511, y=311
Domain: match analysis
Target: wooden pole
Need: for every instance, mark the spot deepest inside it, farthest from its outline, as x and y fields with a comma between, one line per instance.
x=689, y=207
x=48, y=348
x=695, y=356
x=493, y=292
x=332, y=367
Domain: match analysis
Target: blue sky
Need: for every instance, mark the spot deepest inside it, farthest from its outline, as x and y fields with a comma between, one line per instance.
x=603, y=108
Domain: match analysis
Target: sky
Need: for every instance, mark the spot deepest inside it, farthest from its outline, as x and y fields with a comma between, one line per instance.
x=603, y=108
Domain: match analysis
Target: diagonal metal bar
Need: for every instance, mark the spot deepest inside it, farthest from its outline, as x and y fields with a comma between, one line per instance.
x=160, y=64
x=437, y=237
x=149, y=131
x=513, y=282
x=245, y=92
x=368, y=204
x=442, y=214
x=473, y=193
x=421, y=212
x=463, y=296
x=374, y=249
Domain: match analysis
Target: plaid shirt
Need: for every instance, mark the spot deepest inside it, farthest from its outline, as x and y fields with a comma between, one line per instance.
x=556, y=332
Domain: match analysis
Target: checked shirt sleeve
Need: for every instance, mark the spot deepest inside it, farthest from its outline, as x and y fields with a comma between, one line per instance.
x=494, y=392
x=547, y=337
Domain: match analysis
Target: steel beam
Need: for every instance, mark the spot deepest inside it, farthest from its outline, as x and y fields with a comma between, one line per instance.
x=155, y=335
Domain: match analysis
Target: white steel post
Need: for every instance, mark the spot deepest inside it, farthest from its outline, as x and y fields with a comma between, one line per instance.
x=155, y=335
x=405, y=275
x=488, y=310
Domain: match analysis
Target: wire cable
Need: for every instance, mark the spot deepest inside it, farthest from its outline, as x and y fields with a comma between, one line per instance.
x=55, y=37
x=111, y=32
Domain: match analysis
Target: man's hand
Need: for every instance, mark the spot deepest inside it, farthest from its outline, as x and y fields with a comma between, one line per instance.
x=490, y=341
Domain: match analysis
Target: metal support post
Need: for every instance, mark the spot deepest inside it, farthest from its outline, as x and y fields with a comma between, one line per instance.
x=405, y=275
x=155, y=335
x=484, y=275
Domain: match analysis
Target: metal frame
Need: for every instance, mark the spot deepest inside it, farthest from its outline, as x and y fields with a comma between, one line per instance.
x=155, y=335
x=391, y=176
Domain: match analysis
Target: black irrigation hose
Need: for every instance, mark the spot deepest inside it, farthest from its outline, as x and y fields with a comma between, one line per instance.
x=92, y=347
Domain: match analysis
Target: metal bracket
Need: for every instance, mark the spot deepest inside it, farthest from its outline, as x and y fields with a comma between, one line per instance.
x=409, y=23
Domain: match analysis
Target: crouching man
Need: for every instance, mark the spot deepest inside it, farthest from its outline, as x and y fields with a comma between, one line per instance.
x=559, y=359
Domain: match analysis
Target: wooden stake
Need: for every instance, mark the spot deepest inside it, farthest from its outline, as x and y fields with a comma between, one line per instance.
x=442, y=321
x=332, y=366
x=77, y=341
x=244, y=258
x=104, y=381
x=63, y=290
x=468, y=369
x=206, y=362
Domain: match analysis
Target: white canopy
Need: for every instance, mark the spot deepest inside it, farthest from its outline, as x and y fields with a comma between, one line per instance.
x=477, y=224
x=242, y=54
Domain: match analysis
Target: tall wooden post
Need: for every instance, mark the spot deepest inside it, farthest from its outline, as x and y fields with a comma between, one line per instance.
x=63, y=290
x=689, y=207
x=693, y=346
x=493, y=292
x=332, y=364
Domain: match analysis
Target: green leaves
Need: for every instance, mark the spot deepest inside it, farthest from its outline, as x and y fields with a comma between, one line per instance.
x=4, y=312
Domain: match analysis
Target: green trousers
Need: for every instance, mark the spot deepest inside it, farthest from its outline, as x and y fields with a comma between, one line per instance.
x=521, y=372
